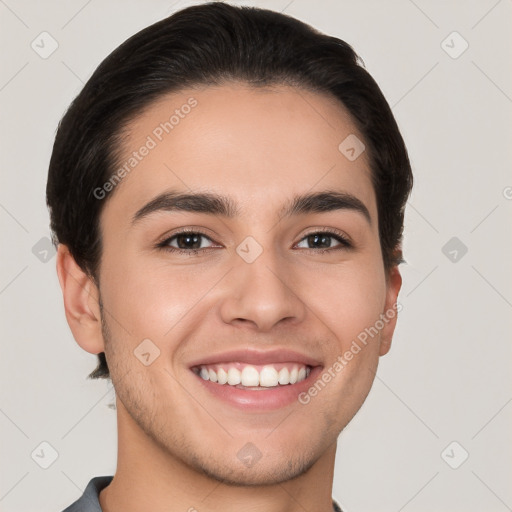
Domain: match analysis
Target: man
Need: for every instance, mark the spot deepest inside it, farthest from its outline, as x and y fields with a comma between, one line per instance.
x=227, y=194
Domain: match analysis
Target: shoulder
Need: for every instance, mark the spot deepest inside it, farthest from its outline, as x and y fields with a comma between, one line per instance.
x=89, y=501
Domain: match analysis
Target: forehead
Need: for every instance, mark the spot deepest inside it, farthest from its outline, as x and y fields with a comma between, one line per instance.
x=256, y=145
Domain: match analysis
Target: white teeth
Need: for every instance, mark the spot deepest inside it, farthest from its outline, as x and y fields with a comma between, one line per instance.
x=284, y=376
x=234, y=377
x=222, y=376
x=250, y=376
x=269, y=377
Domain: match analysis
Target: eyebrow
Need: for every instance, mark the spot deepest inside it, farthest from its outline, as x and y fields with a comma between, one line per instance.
x=217, y=204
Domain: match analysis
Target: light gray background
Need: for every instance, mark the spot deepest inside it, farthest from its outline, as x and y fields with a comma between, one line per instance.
x=447, y=377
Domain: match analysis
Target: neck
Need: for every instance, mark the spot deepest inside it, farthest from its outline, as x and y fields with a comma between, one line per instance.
x=148, y=477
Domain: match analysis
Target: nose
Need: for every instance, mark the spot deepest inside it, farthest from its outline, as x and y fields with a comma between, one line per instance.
x=261, y=294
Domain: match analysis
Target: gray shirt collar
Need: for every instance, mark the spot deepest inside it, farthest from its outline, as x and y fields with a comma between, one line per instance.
x=89, y=501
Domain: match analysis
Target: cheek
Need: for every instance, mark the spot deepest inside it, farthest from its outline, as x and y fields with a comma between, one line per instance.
x=149, y=298
x=348, y=302
x=347, y=299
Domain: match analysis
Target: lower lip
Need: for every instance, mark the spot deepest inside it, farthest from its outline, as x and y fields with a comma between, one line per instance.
x=265, y=399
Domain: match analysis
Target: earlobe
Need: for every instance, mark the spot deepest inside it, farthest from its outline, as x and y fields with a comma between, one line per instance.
x=81, y=302
x=390, y=313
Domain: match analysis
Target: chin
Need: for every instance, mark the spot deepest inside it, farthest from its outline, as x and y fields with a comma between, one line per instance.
x=263, y=472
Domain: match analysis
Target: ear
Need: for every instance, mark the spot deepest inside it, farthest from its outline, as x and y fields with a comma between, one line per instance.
x=81, y=302
x=394, y=283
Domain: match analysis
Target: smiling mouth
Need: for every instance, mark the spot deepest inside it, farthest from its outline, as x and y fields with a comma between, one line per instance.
x=253, y=377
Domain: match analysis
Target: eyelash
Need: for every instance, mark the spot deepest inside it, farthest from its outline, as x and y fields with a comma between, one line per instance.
x=332, y=233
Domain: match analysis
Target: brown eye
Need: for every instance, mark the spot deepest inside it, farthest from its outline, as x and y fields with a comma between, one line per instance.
x=186, y=242
x=322, y=241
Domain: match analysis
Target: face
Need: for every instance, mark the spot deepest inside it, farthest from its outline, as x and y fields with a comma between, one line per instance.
x=222, y=316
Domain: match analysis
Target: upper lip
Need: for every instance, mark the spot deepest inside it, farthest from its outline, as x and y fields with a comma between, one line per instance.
x=261, y=357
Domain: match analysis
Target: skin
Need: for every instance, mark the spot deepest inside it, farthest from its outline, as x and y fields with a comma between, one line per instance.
x=177, y=445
